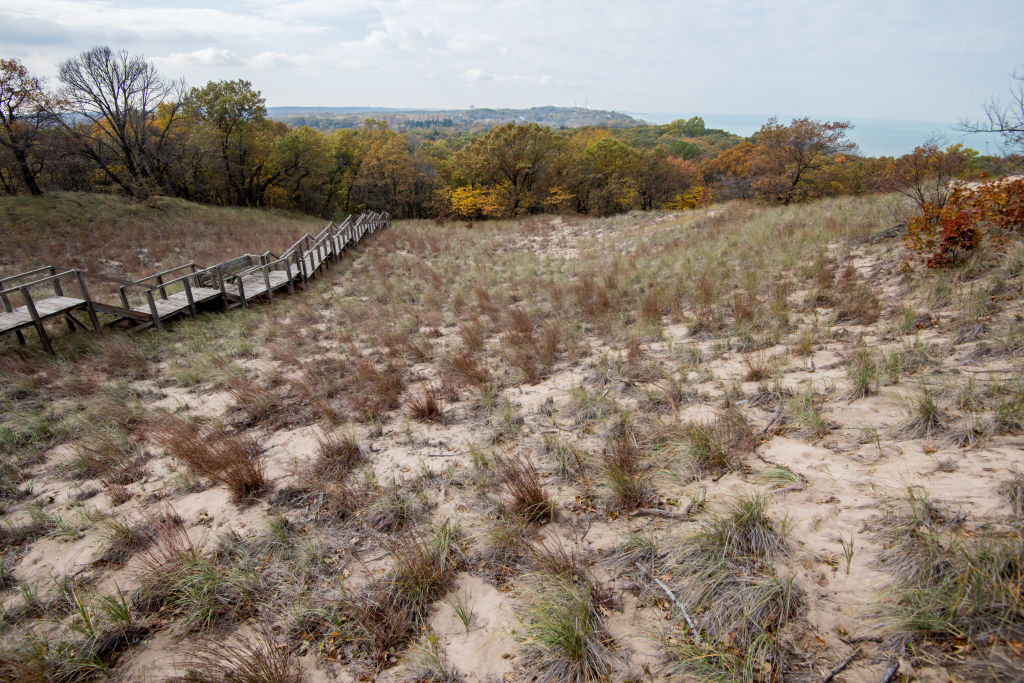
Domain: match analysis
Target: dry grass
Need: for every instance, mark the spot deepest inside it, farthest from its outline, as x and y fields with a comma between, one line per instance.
x=256, y=656
x=523, y=487
x=141, y=238
x=625, y=469
x=230, y=459
x=425, y=404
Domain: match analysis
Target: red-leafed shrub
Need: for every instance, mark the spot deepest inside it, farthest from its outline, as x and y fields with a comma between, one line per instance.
x=991, y=209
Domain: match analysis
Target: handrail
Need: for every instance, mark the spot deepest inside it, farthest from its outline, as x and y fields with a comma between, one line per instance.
x=50, y=278
x=27, y=273
x=191, y=264
x=326, y=246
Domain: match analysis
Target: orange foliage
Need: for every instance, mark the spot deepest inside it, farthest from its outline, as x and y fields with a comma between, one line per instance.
x=992, y=209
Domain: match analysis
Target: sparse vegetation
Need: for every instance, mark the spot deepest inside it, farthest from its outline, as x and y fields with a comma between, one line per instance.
x=551, y=383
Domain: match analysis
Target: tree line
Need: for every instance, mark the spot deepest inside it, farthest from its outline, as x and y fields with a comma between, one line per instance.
x=115, y=124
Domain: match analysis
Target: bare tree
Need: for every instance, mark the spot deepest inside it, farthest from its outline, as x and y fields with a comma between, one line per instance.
x=122, y=111
x=25, y=108
x=1006, y=119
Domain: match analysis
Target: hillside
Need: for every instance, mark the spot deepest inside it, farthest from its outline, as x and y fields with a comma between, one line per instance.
x=734, y=442
x=330, y=118
x=125, y=237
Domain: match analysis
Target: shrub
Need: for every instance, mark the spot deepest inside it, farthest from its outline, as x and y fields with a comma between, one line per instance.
x=944, y=233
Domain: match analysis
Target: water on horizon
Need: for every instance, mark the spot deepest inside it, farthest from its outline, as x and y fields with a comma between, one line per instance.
x=874, y=137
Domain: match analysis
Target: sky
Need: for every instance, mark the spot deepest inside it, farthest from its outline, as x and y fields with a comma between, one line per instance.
x=923, y=60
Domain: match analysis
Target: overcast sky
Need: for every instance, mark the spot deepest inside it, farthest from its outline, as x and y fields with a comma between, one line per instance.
x=932, y=60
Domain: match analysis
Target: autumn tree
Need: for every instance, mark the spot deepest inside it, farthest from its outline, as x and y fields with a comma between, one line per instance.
x=927, y=174
x=788, y=154
x=234, y=123
x=111, y=100
x=386, y=177
x=611, y=168
x=25, y=108
x=513, y=158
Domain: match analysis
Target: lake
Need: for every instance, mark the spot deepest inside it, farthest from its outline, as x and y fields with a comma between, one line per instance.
x=874, y=137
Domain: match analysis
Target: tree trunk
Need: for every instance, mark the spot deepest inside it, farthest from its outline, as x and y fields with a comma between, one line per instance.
x=26, y=172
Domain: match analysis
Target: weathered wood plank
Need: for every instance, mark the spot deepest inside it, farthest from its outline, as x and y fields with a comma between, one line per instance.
x=176, y=303
x=46, y=308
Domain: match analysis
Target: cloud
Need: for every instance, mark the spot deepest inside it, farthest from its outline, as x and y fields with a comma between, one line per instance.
x=207, y=56
x=15, y=30
x=277, y=60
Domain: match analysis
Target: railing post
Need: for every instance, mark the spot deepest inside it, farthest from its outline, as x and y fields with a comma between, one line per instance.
x=219, y=280
x=188, y=295
x=266, y=281
x=36, y=319
x=88, y=302
x=7, y=307
x=124, y=296
x=152, y=309
x=288, y=272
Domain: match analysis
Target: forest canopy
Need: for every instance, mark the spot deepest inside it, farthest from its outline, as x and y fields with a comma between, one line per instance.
x=113, y=123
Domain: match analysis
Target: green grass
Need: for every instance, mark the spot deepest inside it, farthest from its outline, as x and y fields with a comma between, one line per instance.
x=563, y=632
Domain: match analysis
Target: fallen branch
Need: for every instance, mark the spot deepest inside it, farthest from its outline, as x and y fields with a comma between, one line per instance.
x=657, y=512
x=839, y=667
x=892, y=672
x=673, y=598
x=775, y=418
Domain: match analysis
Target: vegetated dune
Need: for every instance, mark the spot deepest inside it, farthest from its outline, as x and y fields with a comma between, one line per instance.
x=734, y=442
x=113, y=234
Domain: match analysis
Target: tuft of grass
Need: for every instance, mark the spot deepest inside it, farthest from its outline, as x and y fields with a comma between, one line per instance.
x=563, y=633
x=571, y=462
x=624, y=468
x=425, y=404
x=463, y=368
x=253, y=656
x=1008, y=409
x=726, y=576
x=863, y=371
x=258, y=403
x=1013, y=491
x=178, y=581
x=590, y=407
x=925, y=418
x=112, y=456
x=337, y=454
x=230, y=459
x=950, y=586
x=527, y=497
x=384, y=615
x=805, y=412
x=716, y=446
x=123, y=540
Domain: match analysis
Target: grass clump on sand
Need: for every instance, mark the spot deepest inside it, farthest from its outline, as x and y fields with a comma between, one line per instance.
x=738, y=602
x=951, y=587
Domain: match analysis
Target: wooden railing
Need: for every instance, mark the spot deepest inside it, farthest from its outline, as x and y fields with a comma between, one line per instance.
x=182, y=289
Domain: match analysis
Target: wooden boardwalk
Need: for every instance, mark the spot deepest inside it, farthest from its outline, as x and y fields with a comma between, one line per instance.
x=184, y=290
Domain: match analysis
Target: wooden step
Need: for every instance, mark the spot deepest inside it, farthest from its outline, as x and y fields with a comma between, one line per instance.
x=46, y=308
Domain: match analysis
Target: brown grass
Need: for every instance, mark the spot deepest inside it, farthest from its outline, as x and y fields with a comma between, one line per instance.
x=425, y=404
x=522, y=484
x=254, y=657
x=622, y=461
x=462, y=367
x=230, y=459
x=258, y=403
